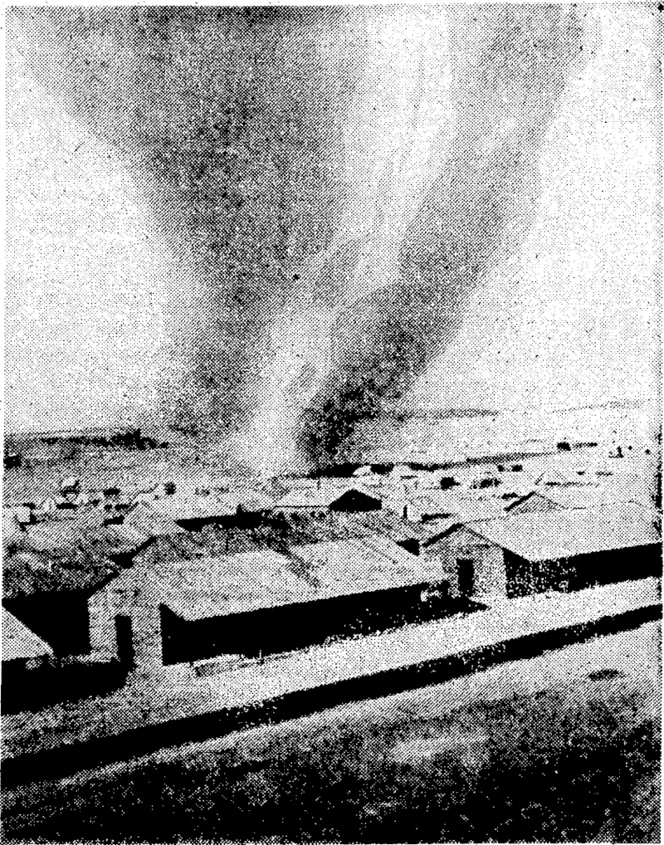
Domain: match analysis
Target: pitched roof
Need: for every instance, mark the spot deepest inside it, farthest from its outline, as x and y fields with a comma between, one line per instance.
x=195, y=507
x=440, y=503
x=320, y=499
x=575, y=497
x=345, y=567
x=79, y=554
x=253, y=501
x=459, y=507
x=151, y=521
x=19, y=642
x=363, y=470
x=559, y=477
x=553, y=535
x=389, y=524
x=204, y=587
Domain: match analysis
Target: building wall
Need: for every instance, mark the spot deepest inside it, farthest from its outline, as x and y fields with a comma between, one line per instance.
x=526, y=577
x=102, y=625
x=32, y=685
x=285, y=628
x=582, y=571
x=616, y=565
x=159, y=636
x=489, y=581
x=132, y=595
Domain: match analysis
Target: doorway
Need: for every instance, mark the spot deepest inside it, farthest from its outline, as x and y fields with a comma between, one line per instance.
x=466, y=576
x=125, y=640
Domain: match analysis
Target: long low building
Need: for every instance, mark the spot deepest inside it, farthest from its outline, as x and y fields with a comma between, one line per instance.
x=443, y=504
x=262, y=602
x=562, y=549
x=563, y=498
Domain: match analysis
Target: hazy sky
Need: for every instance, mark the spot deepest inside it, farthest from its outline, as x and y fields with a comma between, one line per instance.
x=571, y=319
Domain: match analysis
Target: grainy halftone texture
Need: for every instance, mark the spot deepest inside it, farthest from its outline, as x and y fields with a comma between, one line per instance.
x=333, y=187
x=335, y=184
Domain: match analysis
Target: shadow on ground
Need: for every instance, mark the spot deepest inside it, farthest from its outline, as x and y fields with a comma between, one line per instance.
x=577, y=762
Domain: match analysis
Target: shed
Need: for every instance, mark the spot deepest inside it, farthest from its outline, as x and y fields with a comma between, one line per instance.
x=557, y=549
x=261, y=602
x=328, y=499
x=56, y=567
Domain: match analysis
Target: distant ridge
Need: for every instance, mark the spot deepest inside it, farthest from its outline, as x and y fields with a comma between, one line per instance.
x=390, y=412
x=401, y=413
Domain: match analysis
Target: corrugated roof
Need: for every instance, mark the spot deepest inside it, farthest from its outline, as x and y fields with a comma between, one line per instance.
x=200, y=589
x=560, y=534
x=389, y=524
x=204, y=587
x=462, y=508
x=19, y=642
x=361, y=565
x=196, y=507
x=576, y=497
x=149, y=520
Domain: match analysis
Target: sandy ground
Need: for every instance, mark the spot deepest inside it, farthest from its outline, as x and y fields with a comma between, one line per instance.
x=176, y=691
x=635, y=654
x=480, y=758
